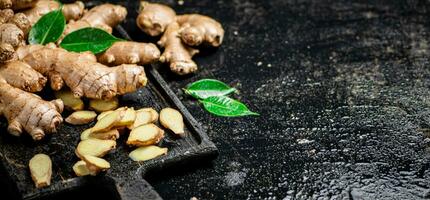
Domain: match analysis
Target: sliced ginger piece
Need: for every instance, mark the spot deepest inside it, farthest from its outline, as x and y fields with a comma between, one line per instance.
x=41, y=170
x=70, y=101
x=154, y=113
x=94, y=147
x=85, y=135
x=103, y=105
x=95, y=164
x=128, y=117
x=107, y=123
x=81, y=117
x=108, y=135
x=172, y=119
x=147, y=153
x=80, y=168
x=144, y=116
x=145, y=135
x=103, y=114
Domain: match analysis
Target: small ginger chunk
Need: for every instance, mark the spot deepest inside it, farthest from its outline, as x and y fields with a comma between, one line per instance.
x=107, y=123
x=70, y=101
x=103, y=105
x=147, y=153
x=41, y=170
x=145, y=135
x=81, y=117
x=95, y=164
x=94, y=147
x=80, y=168
x=103, y=114
x=128, y=117
x=144, y=116
x=172, y=119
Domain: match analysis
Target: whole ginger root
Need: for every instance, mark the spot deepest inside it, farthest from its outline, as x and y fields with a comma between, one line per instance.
x=12, y=33
x=104, y=16
x=180, y=32
x=154, y=18
x=27, y=112
x=83, y=74
x=17, y=4
x=71, y=11
x=199, y=29
x=127, y=52
x=22, y=76
x=176, y=53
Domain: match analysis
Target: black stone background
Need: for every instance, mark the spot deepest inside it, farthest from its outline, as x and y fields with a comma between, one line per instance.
x=342, y=88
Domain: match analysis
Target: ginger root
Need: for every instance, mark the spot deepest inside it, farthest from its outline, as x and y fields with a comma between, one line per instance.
x=130, y=53
x=154, y=18
x=176, y=53
x=28, y=112
x=179, y=33
x=12, y=31
x=22, y=76
x=17, y=4
x=199, y=29
x=71, y=11
x=104, y=16
x=41, y=170
x=83, y=75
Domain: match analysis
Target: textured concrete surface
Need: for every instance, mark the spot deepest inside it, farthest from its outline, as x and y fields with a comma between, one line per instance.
x=342, y=88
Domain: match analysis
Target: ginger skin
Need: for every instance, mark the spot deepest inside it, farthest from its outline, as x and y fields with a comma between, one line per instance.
x=104, y=16
x=130, y=53
x=12, y=33
x=17, y=4
x=199, y=29
x=180, y=32
x=71, y=11
x=28, y=112
x=83, y=74
x=176, y=53
x=20, y=75
x=154, y=18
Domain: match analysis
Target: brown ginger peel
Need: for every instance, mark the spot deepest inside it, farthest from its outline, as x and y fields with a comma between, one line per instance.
x=83, y=74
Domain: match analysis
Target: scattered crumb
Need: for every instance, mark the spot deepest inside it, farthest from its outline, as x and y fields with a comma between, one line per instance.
x=181, y=2
x=269, y=65
x=194, y=198
x=304, y=141
x=259, y=63
x=236, y=33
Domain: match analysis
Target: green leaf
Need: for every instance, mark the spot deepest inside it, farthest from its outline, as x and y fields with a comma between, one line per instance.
x=48, y=29
x=226, y=107
x=205, y=88
x=88, y=39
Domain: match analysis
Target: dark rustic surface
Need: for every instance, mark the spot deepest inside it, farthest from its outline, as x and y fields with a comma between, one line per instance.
x=342, y=88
